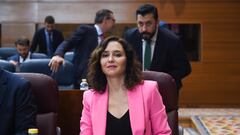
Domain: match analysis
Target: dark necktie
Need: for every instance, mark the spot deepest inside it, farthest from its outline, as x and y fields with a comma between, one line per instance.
x=50, y=49
x=101, y=37
x=147, y=55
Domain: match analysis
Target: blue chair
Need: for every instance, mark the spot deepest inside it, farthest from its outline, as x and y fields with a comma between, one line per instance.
x=6, y=52
x=6, y=65
x=69, y=56
x=64, y=76
x=36, y=66
x=39, y=56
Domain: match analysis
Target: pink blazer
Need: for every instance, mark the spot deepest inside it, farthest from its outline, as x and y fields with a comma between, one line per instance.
x=146, y=110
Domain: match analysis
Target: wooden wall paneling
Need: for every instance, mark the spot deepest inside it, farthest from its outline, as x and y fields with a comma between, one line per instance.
x=212, y=84
x=11, y=31
x=67, y=29
x=18, y=11
x=84, y=11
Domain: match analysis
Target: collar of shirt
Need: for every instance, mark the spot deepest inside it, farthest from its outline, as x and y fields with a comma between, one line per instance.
x=46, y=32
x=21, y=60
x=99, y=32
x=153, y=43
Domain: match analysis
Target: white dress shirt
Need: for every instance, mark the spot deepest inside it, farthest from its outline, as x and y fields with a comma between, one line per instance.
x=99, y=32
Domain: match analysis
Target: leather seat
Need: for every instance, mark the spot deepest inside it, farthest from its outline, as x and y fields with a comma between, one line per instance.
x=7, y=65
x=45, y=92
x=69, y=56
x=169, y=93
x=64, y=76
x=39, y=56
x=6, y=52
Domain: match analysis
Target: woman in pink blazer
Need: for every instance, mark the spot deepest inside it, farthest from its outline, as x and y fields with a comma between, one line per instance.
x=120, y=103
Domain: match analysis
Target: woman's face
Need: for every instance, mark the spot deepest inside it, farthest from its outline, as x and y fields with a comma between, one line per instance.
x=113, y=60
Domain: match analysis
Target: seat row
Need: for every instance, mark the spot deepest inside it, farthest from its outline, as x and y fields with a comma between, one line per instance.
x=45, y=88
x=6, y=52
x=64, y=77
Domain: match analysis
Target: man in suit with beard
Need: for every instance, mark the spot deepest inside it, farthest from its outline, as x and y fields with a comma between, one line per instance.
x=158, y=49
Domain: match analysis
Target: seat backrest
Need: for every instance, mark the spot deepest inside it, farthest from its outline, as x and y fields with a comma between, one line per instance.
x=69, y=56
x=39, y=56
x=7, y=65
x=6, y=52
x=64, y=76
x=169, y=93
x=45, y=93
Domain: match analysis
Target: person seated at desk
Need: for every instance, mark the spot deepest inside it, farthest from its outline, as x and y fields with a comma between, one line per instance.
x=17, y=109
x=121, y=102
x=23, y=45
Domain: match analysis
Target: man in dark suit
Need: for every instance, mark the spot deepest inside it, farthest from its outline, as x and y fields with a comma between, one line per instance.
x=158, y=49
x=84, y=40
x=47, y=38
x=22, y=45
x=17, y=110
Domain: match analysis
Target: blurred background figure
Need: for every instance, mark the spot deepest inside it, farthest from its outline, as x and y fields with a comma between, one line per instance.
x=84, y=40
x=23, y=48
x=157, y=48
x=48, y=38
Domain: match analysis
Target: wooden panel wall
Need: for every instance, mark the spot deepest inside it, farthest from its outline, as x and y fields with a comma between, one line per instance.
x=13, y=30
x=215, y=79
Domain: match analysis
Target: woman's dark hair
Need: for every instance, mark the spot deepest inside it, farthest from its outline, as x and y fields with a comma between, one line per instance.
x=96, y=77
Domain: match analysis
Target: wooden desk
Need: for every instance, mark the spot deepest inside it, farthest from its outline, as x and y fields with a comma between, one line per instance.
x=70, y=110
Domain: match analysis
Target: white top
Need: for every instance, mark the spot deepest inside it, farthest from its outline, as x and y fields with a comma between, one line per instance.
x=21, y=60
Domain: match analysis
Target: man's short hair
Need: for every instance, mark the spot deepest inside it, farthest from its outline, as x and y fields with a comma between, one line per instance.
x=22, y=41
x=49, y=19
x=147, y=9
x=102, y=14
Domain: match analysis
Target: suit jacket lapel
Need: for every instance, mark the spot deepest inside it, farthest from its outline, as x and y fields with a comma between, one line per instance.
x=95, y=37
x=99, y=113
x=159, y=50
x=18, y=58
x=136, y=110
x=53, y=38
x=139, y=46
x=3, y=85
x=44, y=38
